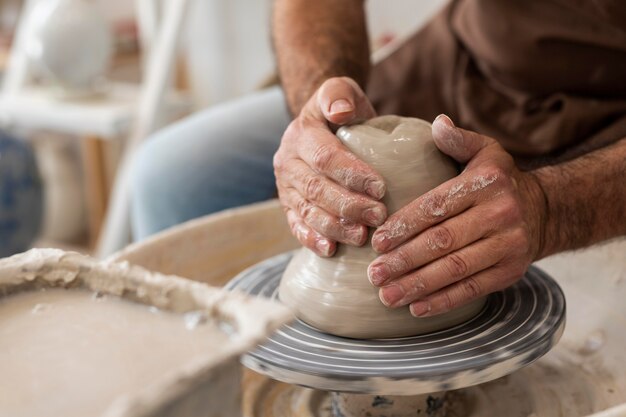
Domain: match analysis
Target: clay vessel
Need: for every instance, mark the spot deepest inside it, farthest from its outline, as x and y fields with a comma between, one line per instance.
x=334, y=294
x=71, y=45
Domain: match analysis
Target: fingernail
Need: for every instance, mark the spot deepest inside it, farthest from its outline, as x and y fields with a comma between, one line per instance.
x=380, y=243
x=420, y=308
x=391, y=295
x=378, y=273
x=341, y=106
x=443, y=126
x=375, y=216
x=442, y=118
x=376, y=189
x=323, y=246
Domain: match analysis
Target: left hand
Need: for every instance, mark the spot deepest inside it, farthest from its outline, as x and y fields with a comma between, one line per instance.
x=475, y=234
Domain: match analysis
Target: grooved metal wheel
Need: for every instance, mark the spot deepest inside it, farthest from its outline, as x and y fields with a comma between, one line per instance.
x=516, y=327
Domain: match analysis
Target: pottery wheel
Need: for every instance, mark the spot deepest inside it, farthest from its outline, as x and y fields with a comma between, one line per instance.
x=516, y=327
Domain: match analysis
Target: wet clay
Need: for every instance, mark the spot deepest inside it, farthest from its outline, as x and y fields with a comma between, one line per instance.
x=334, y=294
x=79, y=337
x=73, y=352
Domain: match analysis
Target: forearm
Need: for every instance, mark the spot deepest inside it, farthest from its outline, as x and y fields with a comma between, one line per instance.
x=585, y=199
x=316, y=40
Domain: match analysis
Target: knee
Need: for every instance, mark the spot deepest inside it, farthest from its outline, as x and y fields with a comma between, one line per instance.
x=149, y=170
x=155, y=177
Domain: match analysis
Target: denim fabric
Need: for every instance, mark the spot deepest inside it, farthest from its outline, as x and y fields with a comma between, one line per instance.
x=213, y=160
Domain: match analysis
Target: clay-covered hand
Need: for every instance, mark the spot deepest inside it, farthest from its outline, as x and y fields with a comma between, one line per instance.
x=328, y=194
x=475, y=234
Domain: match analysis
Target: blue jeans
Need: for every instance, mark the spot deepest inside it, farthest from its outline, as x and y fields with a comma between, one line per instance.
x=214, y=160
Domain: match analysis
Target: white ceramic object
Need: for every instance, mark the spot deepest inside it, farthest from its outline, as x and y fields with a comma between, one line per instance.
x=207, y=385
x=70, y=44
x=334, y=294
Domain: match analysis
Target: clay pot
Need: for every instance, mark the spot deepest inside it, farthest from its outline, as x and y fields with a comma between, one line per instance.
x=334, y=294
x=71, y=44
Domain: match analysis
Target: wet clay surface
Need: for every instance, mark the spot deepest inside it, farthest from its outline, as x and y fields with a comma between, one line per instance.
x=334, y=294
x=72, y=352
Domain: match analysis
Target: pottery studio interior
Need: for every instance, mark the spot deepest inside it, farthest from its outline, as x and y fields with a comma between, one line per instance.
x=295, y=208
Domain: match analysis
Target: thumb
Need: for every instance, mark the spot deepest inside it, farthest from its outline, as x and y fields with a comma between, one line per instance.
x=460, y=144
x=342, y=101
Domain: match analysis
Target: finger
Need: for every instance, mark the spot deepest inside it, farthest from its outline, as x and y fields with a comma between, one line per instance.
x=452, y=268
x=468, y=147
x=465, y=291
x=333, y=198
x=435, y=242
x=341, y=101
x=323, y=222
x=437, y=205
x=308, y=237
x=324, y=153
x=460, y=144
x=447, y=200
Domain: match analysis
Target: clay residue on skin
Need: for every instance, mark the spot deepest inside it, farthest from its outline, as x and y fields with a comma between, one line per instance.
x=396, y=263
x=351, y=176
x=395, y=230
x=481, y=182
x=455, y=189
x=334, y=294
x=433, y=205
x=434, y=244
x=478, y=183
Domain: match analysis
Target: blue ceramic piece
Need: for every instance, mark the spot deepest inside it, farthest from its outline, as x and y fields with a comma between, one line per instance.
x=21, y=196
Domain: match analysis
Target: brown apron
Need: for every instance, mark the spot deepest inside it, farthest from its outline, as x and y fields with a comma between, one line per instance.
x=547, y=78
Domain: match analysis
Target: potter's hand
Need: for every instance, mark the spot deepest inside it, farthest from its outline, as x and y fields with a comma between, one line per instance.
x=329, y=195
x=471, y=236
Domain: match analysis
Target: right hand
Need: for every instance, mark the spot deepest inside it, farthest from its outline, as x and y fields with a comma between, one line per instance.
x=328, y=194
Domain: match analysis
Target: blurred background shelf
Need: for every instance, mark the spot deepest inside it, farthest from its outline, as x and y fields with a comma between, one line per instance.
x=109, y=115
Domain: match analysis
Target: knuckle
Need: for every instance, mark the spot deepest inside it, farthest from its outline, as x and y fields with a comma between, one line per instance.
x=327, y=225
x=304, y=208
x=300, y=232
x=492, y=176
x=331, y=82
x=518, y=271
x=404, y=260
x=457, y=266
x=323, y=157
x=519, y=234
x=335, y=82
x=440, y=238
x=284, y=201
x=472, y=288
x=447, y=302
x=508, y=208
x=349, y=206
x=418, y=285
x=521, y=238
x=313, y=187
x=495, y=173
x=291, y=133
x=434, y=205
x=278, y=162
